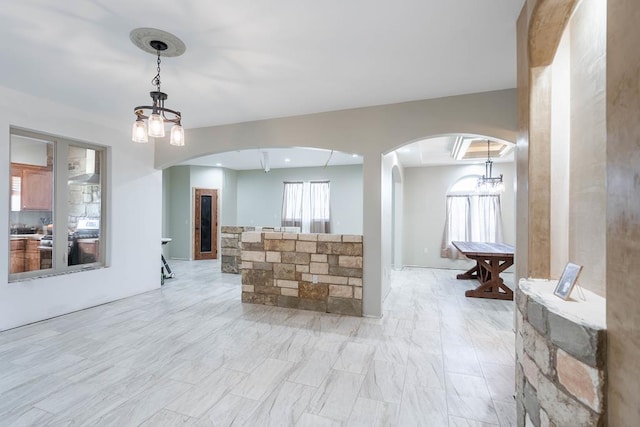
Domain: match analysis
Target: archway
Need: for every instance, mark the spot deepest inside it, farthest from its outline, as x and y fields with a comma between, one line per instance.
x=250, y=186
x=414, y=198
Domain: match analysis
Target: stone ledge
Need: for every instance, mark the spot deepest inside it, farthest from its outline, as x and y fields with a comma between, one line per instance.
x=590, y=313
x=560, y=357
x=576, y=326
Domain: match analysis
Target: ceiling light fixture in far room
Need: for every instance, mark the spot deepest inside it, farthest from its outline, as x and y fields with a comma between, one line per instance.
x=487, y=183
x=264, y=162
x=159, y=43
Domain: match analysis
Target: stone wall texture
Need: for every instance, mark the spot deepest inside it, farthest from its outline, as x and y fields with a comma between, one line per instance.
x=319, y=272
x=560, y=365
x=230, y=243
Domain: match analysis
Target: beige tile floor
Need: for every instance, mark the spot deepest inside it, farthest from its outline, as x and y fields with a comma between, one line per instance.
x=192, y=354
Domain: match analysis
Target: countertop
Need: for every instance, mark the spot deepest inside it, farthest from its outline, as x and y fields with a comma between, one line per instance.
x=26, y=236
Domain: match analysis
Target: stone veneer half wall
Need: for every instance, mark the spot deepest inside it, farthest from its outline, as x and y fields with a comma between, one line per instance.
x=319, y=272
x=560, y=357
x=230, y=244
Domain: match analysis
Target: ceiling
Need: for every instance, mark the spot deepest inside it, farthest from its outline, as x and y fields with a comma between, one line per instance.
x=248, y=60
x=277, y=158
x=427, y=152
x=438, y=151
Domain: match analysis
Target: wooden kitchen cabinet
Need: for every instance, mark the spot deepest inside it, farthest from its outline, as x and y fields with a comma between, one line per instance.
x=32, y=255
x=35, y=186
x=17, y=255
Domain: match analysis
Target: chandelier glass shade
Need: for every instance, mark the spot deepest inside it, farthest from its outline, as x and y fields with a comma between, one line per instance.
x=487, y=183
x=151, y=119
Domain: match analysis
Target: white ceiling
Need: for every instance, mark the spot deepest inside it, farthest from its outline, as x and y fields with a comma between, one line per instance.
x=426, y=152
x=278, y=158
x=437, y=151
x=248, y=60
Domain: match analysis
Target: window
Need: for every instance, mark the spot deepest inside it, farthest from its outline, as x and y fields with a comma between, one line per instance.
x=57, y=205
x=306, y=205
x=470, y=217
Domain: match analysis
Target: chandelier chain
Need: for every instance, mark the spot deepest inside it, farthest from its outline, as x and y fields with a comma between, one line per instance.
x=156, y=80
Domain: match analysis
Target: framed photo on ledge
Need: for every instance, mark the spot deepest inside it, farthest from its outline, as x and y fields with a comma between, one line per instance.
x=567, y=280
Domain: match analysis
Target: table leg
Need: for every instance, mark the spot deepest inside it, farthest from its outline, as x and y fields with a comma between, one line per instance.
x=492, y=286
x=472, y=273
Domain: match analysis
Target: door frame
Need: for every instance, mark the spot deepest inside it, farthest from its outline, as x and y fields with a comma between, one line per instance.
x=195, y=231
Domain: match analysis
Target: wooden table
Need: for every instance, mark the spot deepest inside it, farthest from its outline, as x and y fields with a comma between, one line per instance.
x=491, y=260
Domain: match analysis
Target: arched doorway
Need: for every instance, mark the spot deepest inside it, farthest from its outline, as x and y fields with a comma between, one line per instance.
x=415, y=180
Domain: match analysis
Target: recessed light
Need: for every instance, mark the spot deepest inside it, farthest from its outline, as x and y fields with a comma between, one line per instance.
x=287, y=160
x=354, y=155
x=218, y=164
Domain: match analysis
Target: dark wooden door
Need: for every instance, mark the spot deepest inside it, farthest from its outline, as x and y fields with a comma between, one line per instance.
x=205, y=233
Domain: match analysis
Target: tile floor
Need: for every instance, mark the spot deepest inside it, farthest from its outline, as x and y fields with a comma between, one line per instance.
x=192, y=354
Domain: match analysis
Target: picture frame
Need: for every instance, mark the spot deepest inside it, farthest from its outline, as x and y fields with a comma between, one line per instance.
x=567, y=280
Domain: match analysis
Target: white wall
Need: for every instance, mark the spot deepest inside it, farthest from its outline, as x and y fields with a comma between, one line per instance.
x=560, y=151
x=389, y=229
x=397, y=216
x=260, y=195
x=133, y=223
x=425, y=191
x=27, y=151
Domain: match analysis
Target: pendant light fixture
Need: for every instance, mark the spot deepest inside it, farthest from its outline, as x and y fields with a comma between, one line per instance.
x=159, y=43
x=487, y=183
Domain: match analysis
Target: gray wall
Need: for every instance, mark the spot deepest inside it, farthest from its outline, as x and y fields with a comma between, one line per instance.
x=424, y=210
x=178, y=187
x=229, y=206
x=259, y=195
x=179, y=193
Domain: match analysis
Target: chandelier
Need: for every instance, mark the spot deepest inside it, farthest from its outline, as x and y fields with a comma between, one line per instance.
x=151, y=119
x=487, y=183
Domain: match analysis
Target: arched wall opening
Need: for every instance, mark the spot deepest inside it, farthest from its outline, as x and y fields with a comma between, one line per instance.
x=412, y=228
x=563, y=150
x=370, y=132
x=250, y=190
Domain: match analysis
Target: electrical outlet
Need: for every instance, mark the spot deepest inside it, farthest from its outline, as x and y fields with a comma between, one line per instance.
x=314, y=279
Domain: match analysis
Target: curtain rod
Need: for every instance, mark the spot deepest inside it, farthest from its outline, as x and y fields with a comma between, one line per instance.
x=302, y=182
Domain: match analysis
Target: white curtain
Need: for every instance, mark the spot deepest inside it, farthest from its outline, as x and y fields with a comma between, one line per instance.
x=471, y=218
x=457, y=226
x=292, y=204
x=306, y=205
x=487, y=218
x=319, y=207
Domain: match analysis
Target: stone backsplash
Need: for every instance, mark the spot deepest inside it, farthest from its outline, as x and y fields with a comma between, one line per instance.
x=560, y=357
x=319, y=272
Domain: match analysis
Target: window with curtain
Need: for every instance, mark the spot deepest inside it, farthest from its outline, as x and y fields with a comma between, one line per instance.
x=306, y=205
x=470, y=217
x=292, y=204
